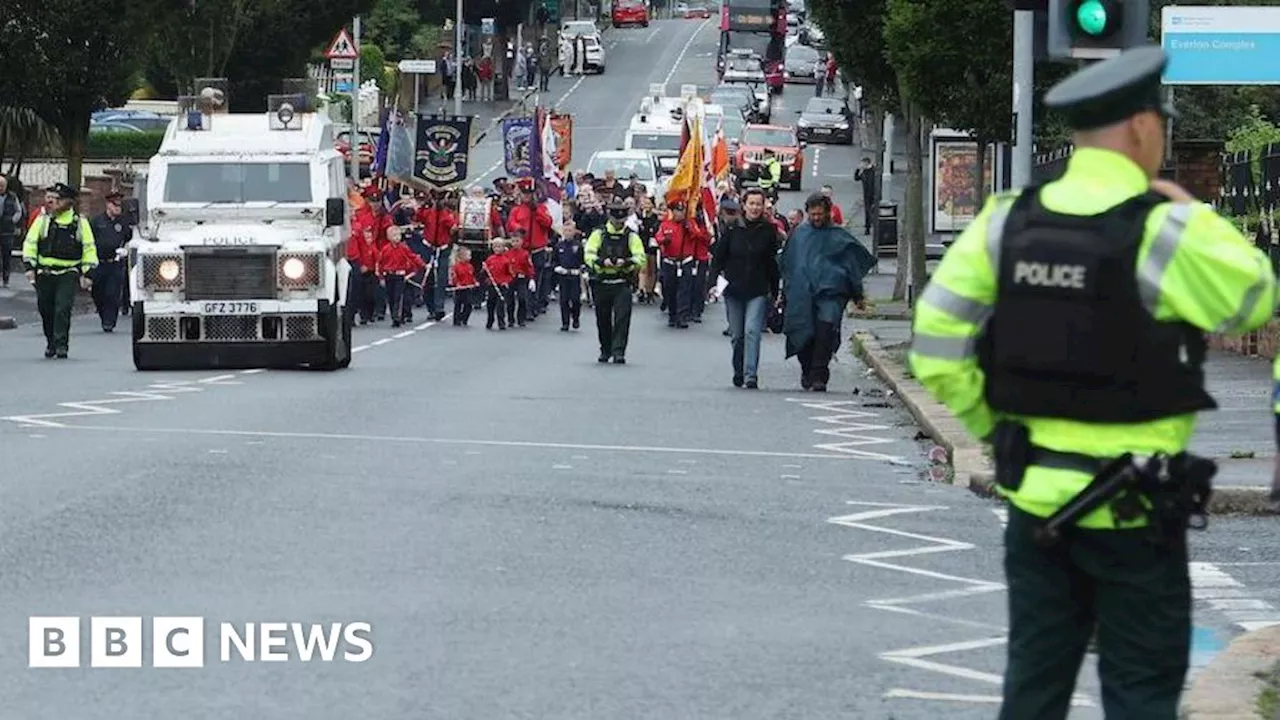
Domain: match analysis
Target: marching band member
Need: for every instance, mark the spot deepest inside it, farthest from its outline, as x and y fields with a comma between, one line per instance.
x=462, y=281
x=498, y=278
x=520, y=310
x=395, y=262
x=570, y=262
x=535, y=220
x=679, y=239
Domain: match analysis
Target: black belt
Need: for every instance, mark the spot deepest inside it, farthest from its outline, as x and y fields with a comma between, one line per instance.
x=1061, y=460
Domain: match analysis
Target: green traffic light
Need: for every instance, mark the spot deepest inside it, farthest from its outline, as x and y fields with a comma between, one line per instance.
x=1091, y=17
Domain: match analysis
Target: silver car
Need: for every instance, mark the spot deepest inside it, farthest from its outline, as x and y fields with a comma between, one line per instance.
x=798, y=66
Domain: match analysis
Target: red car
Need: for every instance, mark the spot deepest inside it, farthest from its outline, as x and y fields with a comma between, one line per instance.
x=630, y=12
x=748, y=161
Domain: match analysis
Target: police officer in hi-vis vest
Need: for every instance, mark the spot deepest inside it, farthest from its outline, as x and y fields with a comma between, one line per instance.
x=1065, y=326
x=58, y=253
x=614, y=255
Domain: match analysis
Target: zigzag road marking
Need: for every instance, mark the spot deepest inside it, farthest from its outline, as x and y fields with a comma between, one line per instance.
x=845, y=418
x=917, y=657
x=156, y=392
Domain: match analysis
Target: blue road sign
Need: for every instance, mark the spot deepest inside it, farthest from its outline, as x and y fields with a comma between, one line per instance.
x=343, y=86
x=1224, y=45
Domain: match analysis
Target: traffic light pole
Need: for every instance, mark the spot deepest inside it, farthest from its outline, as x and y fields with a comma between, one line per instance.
x=1024, y=32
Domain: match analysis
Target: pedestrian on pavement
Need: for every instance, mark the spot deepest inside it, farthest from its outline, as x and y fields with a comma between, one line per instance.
x=59, y=250
x=614, y=255
x=484, y=75
x=570, y=263
x=819, y=75
x=822, y=268
x=530, y=66
x=1089, y=297
x=469, y=80
x=866, y=174
x=448, y=73
x=579, y=55
x=837, y=216
x=747, y=256
x=11, y=222
x=111, y=234
x=546, y=65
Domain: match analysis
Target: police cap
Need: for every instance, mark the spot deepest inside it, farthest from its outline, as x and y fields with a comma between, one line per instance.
x=1112, y=90
x=63, y=191
x=617, y=204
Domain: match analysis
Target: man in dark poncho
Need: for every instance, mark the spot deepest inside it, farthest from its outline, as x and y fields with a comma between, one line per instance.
x=822, y=269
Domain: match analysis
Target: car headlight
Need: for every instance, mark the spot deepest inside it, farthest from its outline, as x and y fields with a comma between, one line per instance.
x=298, y=270
x=803, y=123
x=162, y=272
x=842, y=126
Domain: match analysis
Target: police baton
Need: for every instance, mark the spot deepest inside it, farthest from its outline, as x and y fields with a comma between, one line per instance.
x=1117, y=476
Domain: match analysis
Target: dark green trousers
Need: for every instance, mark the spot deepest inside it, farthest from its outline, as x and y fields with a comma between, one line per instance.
x=1136, y=592
x=613, y=316
x=55, y=298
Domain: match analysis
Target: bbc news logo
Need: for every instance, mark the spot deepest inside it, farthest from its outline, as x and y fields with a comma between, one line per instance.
x=179, y=642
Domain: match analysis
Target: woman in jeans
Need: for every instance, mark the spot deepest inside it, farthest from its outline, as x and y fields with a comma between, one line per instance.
x=747, y=255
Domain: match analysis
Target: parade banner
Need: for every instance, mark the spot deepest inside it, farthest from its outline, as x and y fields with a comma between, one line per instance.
x=562, y=126
x=520, y=146
x=399, y=149
x=442, y=149
x=552, y=185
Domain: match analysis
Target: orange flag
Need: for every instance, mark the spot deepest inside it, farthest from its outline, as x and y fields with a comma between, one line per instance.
x=719, y=156
x=688, y=176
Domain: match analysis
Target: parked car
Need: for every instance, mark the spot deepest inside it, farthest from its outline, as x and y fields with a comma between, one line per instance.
x=694, y=11
x=574, y=28
x=799, y=64
x=128, y=121
x=825, y=120
x=630, y=12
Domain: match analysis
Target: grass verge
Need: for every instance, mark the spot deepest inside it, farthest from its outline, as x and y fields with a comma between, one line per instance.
x=1268, y=704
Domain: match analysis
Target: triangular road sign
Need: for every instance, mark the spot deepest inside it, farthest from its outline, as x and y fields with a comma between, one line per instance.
x=342, y=47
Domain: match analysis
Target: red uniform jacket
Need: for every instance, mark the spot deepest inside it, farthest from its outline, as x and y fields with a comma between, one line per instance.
x=462, y=276
x=498, y=269
x=837, y=217
x=356, y=246
x=437, y=225
x=396, y=258
x=679, y=240
x=521, y=263
x=536, y=223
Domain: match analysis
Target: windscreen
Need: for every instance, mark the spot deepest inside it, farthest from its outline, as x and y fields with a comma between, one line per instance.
x=655, y=141
x=769, y=138
x=234, y=183
x=622, y=167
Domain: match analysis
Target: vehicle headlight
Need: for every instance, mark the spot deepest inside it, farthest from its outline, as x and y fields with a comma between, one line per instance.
x=161, y=272
x=842, y=126
x=169, y=270
x=803, y=123
x=298, y=270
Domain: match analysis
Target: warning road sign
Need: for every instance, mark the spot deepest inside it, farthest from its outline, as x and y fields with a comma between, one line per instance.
x=342, y=47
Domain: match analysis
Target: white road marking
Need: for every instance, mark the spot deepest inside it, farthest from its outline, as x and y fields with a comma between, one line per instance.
x=947, y=697
x=916, y=656
x=383, y=341
x=677, y=472
x=253, y=371
x=219, y=380
x=1223, y=593
x=579, y=457
x=1002, y=514
x=569, y=92
x=852, y=432
x=817, y=154
x=561, y=467
x=793, y=467
x=404, y=334
x=789, y=477
x=679, y=58
x=217, y=452
x=424, y=325
x=359, y=349
x=456, y=441
x=652, y=35
x=86, y=408
x=688, y=462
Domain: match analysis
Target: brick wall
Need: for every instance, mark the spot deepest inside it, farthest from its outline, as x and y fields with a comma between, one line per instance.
x=1263, y=342
x=92, y=192
x=1198, y=167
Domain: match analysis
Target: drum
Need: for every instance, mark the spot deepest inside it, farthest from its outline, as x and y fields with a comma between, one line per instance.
x=474, y=212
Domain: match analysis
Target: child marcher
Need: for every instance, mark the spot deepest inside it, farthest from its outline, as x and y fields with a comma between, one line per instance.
x=462, y=281
x=498, y=279
x=396, y=262
x=519, y=311
x=569, y=264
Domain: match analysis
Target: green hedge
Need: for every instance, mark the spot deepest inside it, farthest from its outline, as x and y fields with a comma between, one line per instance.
x=135, y=145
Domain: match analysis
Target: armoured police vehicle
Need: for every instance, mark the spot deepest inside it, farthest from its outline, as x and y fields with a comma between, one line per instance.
x=658, y=127
x=241, y=260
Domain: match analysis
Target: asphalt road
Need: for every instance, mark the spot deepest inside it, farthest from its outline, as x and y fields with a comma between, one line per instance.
x=529, y=534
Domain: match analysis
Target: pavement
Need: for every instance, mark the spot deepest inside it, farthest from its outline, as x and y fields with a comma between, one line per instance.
x=528, y=533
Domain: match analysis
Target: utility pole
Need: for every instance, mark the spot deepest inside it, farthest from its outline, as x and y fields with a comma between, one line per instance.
x=355, y=105
x=1024, y=34
x=457, y=59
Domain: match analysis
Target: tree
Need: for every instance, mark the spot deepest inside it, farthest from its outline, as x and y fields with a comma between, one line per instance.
x=391, y=26
x=86, y=56
x=198, y=39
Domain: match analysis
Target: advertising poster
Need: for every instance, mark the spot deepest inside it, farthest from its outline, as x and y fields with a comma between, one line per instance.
x=956, y=197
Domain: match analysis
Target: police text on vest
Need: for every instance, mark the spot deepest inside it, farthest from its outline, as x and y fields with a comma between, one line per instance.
x=1046, y=275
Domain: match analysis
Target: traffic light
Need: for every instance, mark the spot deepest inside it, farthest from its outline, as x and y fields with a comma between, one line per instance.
x=1097, y=29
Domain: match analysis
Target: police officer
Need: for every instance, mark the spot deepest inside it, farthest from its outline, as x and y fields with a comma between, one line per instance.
x=614, y=254
x=1094, y=291
x=770, y=174
x=111, y=234
x=59, y=250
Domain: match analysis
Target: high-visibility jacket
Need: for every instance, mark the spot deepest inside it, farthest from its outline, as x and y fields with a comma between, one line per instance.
x=614, y=243
x=33, y=259
x=772, y=175
x=1192, y=266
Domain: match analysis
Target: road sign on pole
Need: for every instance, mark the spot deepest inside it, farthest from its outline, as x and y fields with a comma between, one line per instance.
x=342, y=47
x=1229, y=45
x=342, y=64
